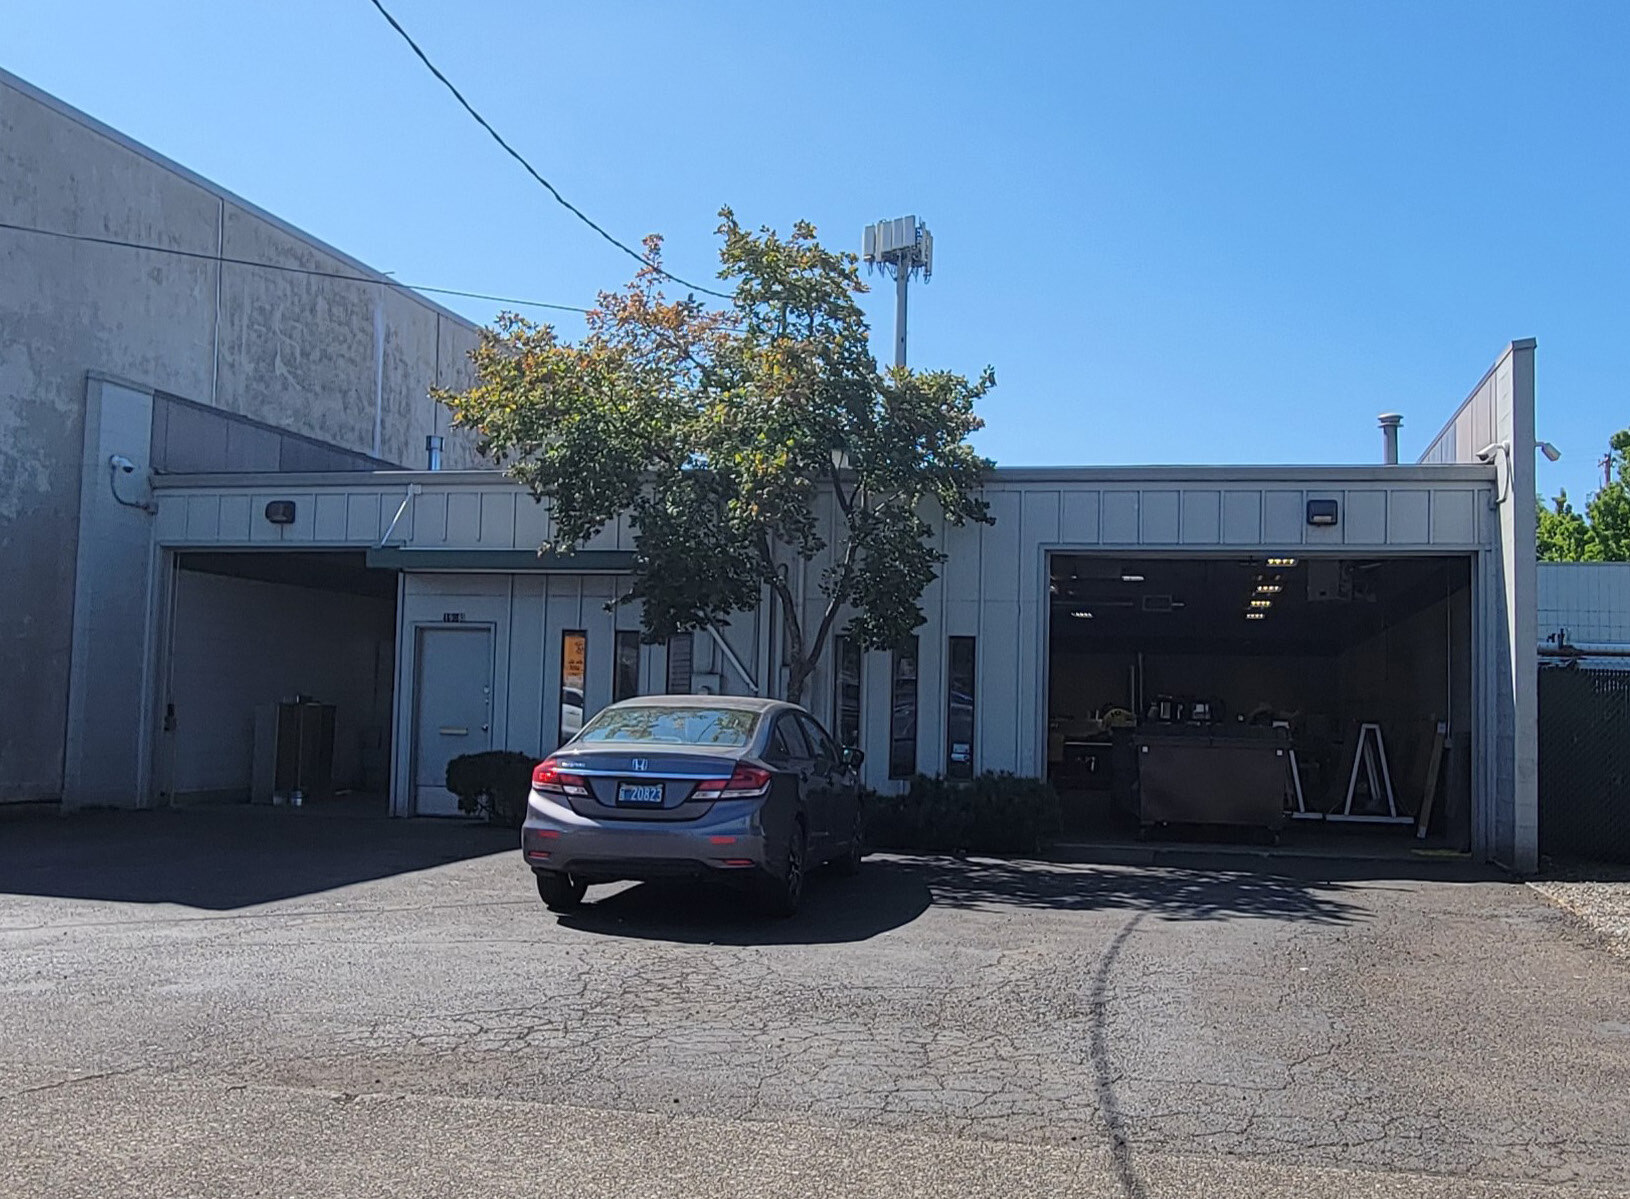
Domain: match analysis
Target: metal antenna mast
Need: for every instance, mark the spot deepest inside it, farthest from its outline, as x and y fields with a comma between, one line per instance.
x=900, y=248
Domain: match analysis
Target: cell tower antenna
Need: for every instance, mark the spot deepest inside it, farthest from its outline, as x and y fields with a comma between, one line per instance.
x=901, y=248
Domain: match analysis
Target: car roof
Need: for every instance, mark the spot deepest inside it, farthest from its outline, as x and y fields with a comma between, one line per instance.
x=746, y=703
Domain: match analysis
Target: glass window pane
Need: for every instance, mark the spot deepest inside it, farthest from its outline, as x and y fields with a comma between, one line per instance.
x=959, y=712
x=625, y=677
x=846, y=698
x=820, y=745
x=680, y=650
x=792, y=739
x=670, y=724
x=574, y=652
x=903, y=712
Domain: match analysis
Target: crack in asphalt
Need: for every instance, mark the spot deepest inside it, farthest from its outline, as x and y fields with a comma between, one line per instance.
x=1108, y=1106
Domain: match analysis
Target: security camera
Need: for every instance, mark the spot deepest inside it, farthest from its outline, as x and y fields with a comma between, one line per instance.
x=1549, y=450
x=120, y=463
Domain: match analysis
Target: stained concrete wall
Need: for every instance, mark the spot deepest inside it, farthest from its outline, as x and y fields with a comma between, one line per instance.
x=154, y=303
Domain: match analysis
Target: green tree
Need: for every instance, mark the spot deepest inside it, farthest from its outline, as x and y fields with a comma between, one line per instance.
x=1565, y=535
x=1609, y=509
x=722, y=432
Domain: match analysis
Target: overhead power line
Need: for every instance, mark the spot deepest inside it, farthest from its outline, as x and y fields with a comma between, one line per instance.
x=530, y=169
x=293, y=270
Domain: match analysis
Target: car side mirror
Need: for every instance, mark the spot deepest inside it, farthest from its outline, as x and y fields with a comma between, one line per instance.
x=852, y=757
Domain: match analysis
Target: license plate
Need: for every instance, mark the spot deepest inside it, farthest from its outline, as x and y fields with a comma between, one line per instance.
x=647, y=795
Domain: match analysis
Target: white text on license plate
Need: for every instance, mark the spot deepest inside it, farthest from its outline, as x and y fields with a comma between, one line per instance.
x=649, y=794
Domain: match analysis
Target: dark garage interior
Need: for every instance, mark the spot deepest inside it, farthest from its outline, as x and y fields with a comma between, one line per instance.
x=280, y=679
x=1316, y=698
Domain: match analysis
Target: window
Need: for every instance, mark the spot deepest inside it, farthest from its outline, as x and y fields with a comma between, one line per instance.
x=670, y=724
x=787, y=742
x=846, y=692
x=574, y=653
x=903, y=712
x=820, y=745
x=625, y=667
x=680, y=651
x=959, y=693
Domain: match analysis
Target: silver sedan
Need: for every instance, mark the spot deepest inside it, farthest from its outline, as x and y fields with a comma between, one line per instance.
x=705, y=787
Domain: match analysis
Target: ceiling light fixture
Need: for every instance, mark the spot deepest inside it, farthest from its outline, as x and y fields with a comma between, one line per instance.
x=1281, y=561
x=1131, y=578
x=1268, y=588
x=1262, y=603
x=1256, y=616
x=1081, y=614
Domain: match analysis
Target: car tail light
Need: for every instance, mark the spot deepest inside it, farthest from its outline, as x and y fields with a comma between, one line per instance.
x=745, y=782
x=548, y=777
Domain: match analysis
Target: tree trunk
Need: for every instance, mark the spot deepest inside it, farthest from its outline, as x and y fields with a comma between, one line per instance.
x=798, y=673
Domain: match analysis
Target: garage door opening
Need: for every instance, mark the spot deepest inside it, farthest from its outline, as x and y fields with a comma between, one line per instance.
x=280, y=679
x=1306, y=697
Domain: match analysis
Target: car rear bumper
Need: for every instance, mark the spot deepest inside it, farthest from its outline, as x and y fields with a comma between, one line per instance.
x=726, y=840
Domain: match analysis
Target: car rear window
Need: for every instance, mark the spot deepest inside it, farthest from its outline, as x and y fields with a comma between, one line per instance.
x=666, y=724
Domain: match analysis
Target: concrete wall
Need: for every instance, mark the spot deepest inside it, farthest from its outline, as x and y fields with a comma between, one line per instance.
x=1591, y=600
x=1498, y=417
x=241, y=643
x=348, y=360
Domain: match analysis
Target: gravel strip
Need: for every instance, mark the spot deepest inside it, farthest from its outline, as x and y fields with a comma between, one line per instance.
x=1598, y=895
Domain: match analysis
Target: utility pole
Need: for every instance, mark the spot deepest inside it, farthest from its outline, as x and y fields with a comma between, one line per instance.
x=900, y=248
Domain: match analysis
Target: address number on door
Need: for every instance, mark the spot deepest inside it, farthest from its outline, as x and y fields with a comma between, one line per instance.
x=452, y=618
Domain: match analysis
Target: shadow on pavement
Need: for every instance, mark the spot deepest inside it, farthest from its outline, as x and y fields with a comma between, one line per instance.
x=882, y=897
x=229, y=856
x=893, y=891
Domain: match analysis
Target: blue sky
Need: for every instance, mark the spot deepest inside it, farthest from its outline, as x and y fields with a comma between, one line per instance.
x=1181, y=232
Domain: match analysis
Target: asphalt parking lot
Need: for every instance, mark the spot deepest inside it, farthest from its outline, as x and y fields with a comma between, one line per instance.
x=287, y=1003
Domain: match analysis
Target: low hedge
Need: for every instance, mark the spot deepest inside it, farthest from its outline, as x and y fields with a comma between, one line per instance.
x=495, y=784
x=991, y=813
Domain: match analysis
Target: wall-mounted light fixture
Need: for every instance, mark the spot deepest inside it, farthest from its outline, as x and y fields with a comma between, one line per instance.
x=1322, y=513
x=280, y=512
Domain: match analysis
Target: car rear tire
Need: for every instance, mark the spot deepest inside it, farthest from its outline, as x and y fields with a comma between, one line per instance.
x=560, y=892
x=849, y=863
x=783, y=893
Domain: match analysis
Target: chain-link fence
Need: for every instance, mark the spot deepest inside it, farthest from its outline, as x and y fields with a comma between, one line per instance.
x=1584, y=763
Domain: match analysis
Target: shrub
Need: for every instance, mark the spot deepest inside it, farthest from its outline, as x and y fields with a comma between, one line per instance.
x=992, y=813
x=495, y=784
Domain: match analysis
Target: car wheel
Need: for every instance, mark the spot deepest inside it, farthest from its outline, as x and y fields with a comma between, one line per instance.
x=785, y=893
x=560, y=892
x=849, y=863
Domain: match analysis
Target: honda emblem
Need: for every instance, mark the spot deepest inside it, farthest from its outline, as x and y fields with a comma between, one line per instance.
x=642, y=764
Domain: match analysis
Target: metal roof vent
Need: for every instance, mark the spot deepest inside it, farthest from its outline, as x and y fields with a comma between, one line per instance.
x=1389, y=437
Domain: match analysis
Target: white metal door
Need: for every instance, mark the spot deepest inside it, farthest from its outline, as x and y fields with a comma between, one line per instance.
x=453, y=709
